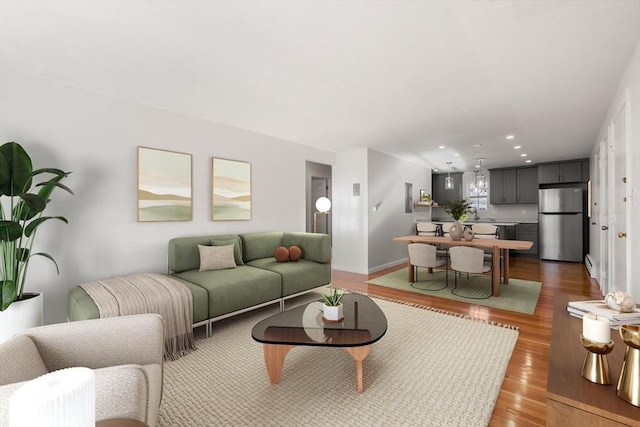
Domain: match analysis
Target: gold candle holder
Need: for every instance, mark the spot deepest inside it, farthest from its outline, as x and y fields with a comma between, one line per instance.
x=628, y=388
x=596, y=366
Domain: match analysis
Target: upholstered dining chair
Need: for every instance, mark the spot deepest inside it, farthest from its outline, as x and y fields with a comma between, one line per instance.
x=424, y=255
x=465, y=259
x=427, y=229
x=487, y=231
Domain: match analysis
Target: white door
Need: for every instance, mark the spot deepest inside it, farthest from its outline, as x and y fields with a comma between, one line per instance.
x=599, y=214
x=618, y=200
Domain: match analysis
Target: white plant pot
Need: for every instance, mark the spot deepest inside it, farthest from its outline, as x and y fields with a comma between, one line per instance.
x=333, y=313
x=21, y=315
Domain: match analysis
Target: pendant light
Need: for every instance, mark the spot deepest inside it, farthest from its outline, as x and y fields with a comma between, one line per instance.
x=481, y=182
x=448, y=181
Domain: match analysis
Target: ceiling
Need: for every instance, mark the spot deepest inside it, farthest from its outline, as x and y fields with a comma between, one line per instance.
x=400, y=77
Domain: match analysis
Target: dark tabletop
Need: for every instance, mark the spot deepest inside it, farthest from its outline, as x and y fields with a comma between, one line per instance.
x=363, y=324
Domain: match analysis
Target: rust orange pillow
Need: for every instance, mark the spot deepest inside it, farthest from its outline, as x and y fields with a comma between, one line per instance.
x=294, y=253
x=282, y=254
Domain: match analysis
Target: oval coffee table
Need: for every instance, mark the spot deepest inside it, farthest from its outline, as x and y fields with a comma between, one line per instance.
x=363, y=324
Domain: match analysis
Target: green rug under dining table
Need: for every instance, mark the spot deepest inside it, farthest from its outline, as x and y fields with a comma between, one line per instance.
x=519, y=295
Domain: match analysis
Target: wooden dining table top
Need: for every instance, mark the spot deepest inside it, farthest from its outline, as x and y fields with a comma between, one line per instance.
x=520, y=245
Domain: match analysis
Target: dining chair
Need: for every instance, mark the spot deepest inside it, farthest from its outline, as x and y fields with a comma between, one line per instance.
x=427, y=229
x=424, y=255
x=445, y=227
x=487, y=231
x=465, y=259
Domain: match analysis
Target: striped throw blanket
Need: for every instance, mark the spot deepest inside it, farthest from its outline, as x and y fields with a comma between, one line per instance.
x=149, y=293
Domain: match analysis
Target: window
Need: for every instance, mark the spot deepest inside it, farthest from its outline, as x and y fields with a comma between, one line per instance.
x=478, y=196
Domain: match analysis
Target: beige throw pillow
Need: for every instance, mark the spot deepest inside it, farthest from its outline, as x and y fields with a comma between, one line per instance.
x=216, y=257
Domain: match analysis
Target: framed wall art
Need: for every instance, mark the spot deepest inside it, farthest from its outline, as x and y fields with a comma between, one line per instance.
x=231, y=190
x=164, y=185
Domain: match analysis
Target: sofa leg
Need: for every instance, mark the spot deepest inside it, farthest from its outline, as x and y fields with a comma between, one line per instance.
x=281, y=305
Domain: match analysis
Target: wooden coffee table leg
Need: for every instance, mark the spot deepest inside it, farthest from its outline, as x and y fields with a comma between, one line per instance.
x=359, y=354
x=274, y=355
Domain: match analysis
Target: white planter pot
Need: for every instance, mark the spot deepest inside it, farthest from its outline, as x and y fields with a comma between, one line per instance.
x=333, y=313
x=21, y=315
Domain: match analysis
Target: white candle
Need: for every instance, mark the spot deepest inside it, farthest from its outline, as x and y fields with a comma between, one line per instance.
x=596, y=328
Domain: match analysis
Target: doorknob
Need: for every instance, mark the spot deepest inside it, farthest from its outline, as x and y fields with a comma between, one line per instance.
x=604, y=228
x=621, y=234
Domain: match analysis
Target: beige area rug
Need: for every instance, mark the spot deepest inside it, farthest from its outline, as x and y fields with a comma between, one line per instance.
x=519, y=295
x=430, y=369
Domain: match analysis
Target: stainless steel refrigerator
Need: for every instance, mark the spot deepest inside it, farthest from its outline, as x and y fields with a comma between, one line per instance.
x=561, y=224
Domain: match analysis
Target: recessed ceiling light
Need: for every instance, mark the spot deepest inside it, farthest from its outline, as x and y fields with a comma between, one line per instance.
x=477, y=145
x=527, y=161
x=478, y=166
x=435, y=170
x=523, y=155
x=510, y=136
x=441, y=147
x=456, y=155
x=517, y=147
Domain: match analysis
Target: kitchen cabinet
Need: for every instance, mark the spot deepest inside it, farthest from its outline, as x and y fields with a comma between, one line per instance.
x=527, y=185
x=506, y=232
x=527, y=232
x=511, y=186
x=554, y=173
x=442, y=195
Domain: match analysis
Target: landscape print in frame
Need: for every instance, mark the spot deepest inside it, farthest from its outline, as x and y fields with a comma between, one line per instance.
x=231, y=190
x=164, y=185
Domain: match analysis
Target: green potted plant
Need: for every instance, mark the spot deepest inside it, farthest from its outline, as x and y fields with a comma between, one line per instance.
x=459, y=210
x=333, y=309
x=22, y=205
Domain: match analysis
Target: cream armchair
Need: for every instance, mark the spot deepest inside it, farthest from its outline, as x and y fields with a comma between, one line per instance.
x=125, y=352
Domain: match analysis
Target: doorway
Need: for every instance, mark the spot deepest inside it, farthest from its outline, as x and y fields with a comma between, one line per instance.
x=318, y=185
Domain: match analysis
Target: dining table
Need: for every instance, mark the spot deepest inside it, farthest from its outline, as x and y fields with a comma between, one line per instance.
x=496, y=245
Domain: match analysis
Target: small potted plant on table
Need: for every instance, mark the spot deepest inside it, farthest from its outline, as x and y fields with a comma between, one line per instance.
x=333, y=308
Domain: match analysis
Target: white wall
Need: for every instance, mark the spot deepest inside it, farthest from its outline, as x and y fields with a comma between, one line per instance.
x=96, y=137
x=387, y=178
x=631, y=81
x=350, y=220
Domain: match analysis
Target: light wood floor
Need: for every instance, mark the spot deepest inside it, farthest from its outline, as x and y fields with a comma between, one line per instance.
x=522, y=398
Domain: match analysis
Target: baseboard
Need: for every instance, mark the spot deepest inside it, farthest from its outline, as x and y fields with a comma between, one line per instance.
x=388, y=265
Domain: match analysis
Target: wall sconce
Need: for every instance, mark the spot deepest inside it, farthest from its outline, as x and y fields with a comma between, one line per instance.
x=448, y=181
x=323, y=205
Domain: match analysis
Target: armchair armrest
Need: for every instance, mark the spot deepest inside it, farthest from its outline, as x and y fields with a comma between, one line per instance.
x=99, y=343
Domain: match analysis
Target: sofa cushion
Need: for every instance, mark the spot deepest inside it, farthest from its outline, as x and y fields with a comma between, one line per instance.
x=230, y=240
x=315, y=247
x=282, y=254
x=216, y=257
x=295, y=253
x=235, y=289
x=184, y=254
x=260, y=245
x=296, y=276
x=20, y=360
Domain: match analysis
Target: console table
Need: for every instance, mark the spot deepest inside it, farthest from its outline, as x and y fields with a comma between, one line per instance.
x=571, y=399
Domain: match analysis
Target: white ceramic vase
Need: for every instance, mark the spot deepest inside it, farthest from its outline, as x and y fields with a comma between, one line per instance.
x=20, y=315
x=333, y=313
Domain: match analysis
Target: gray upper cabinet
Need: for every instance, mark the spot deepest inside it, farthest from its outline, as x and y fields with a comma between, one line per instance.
x=560, y=172
x=510, y=186
x=441, y=195
x=527, y=183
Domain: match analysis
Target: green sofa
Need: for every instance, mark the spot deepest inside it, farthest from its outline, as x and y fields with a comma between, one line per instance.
x=257, y=280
